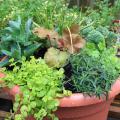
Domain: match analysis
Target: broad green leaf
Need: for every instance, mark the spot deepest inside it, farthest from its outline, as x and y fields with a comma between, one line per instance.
x=16, y=51
x=15, y=24
x=28, y=27
x=31, y=49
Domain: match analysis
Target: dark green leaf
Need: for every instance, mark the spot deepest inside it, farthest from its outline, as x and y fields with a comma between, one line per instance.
x=31, y=49
x=8, y=53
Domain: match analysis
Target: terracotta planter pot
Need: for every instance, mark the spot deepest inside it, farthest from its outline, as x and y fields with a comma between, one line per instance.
x=80, y=107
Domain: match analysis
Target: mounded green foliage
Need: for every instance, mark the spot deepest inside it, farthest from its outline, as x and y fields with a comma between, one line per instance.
x=40, y=86
x=100, y=34
x=56, y=58
x=93, y=71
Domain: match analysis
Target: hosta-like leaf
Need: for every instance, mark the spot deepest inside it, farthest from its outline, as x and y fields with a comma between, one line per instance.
x=15, y=24
x=31, y=49
x=16, y=51
x=28, y=27
x=6, y=38
x=9, y=29
x=16, y=40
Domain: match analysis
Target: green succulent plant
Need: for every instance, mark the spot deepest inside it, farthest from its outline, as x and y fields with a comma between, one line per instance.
x=17, y=41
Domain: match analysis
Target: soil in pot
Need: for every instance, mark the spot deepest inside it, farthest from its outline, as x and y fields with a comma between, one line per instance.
x=40, y=53
x=67, y=82
x=6, y=105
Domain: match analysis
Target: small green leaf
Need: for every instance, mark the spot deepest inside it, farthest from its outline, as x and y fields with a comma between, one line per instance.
x=18, y=117
x=33, y=104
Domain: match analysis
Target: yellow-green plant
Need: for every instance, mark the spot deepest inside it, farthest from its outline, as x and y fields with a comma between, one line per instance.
x=40, y=87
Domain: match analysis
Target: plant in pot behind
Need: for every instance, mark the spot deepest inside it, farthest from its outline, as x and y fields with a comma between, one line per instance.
x=17, y=41
x=39, y=85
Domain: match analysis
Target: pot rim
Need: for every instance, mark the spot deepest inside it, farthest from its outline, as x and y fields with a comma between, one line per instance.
x=79, y=99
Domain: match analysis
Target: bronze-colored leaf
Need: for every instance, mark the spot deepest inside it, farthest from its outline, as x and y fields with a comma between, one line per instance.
x=74, y=29
x=73, y=42
x=46, y=33
x=76, y=45
x=70, y=39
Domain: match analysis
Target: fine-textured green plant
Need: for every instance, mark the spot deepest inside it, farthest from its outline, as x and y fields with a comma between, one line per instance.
x=40, y=87
x=17, y=41
x=93, y=71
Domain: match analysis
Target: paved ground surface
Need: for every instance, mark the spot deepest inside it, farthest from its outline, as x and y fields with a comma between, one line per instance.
x=113, y=119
